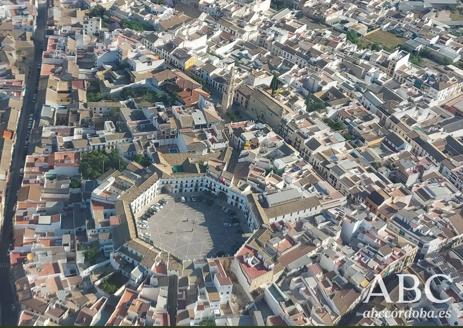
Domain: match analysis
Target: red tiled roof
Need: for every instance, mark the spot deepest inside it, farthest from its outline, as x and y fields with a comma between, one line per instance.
x=250, y=271
x=160, y=268
x=16, y=258
x=121, y=308
x=78, y=84
x=221, y=275
x=114, y=220
x=276, y=320
x=47, y=69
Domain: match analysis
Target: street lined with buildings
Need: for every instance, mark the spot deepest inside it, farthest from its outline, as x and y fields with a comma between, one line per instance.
x=213, y=162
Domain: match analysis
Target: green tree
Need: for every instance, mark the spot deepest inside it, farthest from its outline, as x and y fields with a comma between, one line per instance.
x=142, y=160
x=277, y=4
x=124, y=94
x=75, y=183
x=97, y=11
x=108, y=287
x=207, y=322
x=416, y=59
x=95, y=163
x=352, y=36
x=348, y=136
x=274, y=84
x=232, y=116
x=93, y=92
x=376, y=46
x=336, y=125
x=314, y=104
x=136, y=25
x=376, y=165
x=94, y=96
x=91, y=253
x=445, y=61
x=114, y=115
x=426, y=53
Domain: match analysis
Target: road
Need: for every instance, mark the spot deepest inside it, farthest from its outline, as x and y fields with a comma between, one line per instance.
x=8, y=302
x=172, y=299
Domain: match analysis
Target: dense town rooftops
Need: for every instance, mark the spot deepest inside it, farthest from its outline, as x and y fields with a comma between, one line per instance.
x=183, y=161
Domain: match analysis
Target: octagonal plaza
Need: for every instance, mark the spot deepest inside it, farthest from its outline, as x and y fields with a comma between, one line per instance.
x=193, y=229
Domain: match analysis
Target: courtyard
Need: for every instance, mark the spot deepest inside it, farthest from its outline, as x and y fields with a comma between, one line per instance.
x=194, y=228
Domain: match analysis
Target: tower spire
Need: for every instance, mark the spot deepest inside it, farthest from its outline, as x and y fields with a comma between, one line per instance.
x=227, y=96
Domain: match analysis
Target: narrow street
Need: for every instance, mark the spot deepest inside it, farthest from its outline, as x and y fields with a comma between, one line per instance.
x=172, y=299
x=9, y=307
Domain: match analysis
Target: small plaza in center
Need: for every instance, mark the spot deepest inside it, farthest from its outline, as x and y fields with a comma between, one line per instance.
x=193, y=227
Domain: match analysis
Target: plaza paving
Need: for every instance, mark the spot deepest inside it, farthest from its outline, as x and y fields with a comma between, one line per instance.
x=193, y=230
